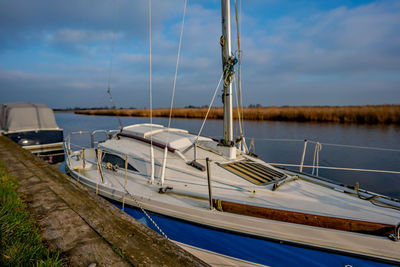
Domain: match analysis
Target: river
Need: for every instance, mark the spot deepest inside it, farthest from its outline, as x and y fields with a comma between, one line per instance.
x=287, y=145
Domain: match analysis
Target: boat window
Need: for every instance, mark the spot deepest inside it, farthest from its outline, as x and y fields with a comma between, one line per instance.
x=116, y=160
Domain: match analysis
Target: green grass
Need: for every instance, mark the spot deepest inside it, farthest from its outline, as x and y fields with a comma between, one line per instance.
x=20, y=242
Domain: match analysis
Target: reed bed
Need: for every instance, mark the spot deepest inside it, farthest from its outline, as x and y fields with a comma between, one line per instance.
x=379, y=114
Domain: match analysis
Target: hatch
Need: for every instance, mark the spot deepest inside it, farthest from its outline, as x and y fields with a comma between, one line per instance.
x=254, y=172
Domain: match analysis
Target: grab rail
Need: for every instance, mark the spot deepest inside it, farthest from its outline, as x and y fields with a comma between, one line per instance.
x=333, y=168
x=108, y=134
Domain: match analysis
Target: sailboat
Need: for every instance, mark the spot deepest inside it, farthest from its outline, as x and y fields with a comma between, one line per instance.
x=215, y=196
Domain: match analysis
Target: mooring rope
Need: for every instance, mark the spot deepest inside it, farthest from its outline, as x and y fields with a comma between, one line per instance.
x=136, y=201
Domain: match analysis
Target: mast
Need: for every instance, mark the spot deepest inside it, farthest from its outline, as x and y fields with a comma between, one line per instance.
x=227, y=66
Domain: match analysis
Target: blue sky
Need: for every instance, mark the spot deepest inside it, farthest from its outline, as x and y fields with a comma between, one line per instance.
x=294, y=52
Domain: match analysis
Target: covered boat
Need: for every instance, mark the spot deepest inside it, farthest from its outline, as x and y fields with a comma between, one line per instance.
x=33, y=126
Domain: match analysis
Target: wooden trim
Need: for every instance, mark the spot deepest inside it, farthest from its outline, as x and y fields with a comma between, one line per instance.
x=343, y=224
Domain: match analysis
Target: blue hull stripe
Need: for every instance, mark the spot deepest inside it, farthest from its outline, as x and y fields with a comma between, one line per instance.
x=245, y=247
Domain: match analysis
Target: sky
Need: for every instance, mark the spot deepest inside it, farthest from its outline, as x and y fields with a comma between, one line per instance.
x=67, y=53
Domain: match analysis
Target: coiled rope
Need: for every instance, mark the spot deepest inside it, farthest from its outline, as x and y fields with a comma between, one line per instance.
x=229, y=70
x=318, y=148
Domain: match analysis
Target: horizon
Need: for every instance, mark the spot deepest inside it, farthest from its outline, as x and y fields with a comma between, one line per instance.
x=248, y=106
x=308, y=53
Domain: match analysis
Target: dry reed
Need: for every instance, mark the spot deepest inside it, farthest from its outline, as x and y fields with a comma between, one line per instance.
x=386, y=114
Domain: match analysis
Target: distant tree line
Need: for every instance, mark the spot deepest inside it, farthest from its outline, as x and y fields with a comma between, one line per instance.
x=191, y=106
x=206, y=106
x=255, y=106
x=388, y=114
x=107, y=107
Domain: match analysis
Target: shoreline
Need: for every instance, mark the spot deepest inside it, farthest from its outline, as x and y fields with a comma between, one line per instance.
x=369, y=114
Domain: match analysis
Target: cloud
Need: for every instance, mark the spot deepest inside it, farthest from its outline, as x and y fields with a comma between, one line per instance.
x=82, y=36
x=22, y=20
x=62, y=50
x=334, y=53
x=341, y=40
x=82, y=41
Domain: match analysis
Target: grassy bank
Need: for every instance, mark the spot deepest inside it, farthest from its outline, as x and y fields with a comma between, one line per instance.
x=385, y=114
x=20, y=243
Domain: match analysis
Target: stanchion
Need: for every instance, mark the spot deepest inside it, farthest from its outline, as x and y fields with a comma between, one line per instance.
x=209, y=183
x=98, y=169
x=304, y=154
x=126, y=179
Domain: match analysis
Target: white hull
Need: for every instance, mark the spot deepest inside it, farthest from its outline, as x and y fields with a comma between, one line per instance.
x=187, y=198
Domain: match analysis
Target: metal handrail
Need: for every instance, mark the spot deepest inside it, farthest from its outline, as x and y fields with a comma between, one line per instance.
x=333, y=168
x=108, y=135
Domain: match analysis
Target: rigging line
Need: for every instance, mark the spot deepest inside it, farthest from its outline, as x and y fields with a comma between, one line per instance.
x=151, y=101
x=278, y=139
x=177, y=64
x=334, y=168
x=239, y=94
x=361, y=147
x=325, y=144
x=150, y=78
x=173, y=94
x=111, y=63
x=237, y=105
x=209, y=108
x=267, y=139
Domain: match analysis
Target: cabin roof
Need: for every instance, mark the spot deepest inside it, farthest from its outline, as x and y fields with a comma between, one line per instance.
x=174, y=138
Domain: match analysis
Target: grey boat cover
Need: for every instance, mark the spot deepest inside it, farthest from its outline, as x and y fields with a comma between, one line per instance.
x=18, y=117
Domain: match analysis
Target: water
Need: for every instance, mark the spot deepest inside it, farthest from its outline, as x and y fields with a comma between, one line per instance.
x=387, y=136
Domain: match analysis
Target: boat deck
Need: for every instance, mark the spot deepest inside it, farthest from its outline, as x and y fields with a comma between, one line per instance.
x=297, y=195
x=182, y=203
x=181, y=191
